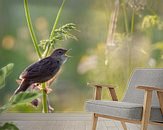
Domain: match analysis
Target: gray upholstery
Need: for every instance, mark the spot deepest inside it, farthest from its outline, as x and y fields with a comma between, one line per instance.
x=132, y=104
x=146, y=77
x=124, y=110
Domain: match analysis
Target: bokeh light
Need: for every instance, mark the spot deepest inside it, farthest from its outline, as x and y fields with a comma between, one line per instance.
x=8, y=42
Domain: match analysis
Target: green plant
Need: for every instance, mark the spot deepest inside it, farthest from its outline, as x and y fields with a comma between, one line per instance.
x=4, y=72
x=21, y=98
x=9, y=126
x=44, y=47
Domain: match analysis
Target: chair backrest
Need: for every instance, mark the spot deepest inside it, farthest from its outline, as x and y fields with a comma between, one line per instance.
x=147, y=77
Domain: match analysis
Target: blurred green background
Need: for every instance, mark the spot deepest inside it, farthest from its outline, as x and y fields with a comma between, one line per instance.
x=137, y=42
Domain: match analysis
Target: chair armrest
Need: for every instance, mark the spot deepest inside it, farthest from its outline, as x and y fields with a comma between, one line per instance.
x=147, y=107
x=148, y=88
x=101, y=85
x=98, y=90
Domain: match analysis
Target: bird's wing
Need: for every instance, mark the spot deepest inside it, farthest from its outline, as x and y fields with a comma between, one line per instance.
x=41, y=69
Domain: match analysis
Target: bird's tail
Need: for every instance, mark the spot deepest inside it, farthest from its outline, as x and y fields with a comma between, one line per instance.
x=24, y=85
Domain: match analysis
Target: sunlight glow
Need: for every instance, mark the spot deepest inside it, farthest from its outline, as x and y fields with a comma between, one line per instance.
x=8, y=42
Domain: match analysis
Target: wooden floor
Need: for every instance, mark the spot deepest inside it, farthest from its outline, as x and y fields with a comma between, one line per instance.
x=60, y=121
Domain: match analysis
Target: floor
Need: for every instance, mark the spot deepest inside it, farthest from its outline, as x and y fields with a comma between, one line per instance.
x=60, y=121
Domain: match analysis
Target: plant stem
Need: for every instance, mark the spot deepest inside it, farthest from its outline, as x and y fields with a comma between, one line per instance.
x=56, y=20
x=44, y=98
x=30, y=27
x=54, y=27
x=132, y=21
x=125, y=17
x=48, y=48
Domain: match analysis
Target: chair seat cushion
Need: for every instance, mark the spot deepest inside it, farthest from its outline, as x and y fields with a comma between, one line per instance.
x=131, y=111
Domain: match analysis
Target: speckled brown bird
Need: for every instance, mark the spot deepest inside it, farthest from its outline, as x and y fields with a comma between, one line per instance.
x=43, y=70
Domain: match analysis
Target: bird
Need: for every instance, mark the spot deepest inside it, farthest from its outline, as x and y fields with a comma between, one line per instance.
x=42, y=70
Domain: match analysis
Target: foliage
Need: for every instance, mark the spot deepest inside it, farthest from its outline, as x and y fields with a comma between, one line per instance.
x=151, y=21
x=8, y=126
x=21, y=98
x=4, y=72
x=61, y=34
x=124, y=50
x=24, y=97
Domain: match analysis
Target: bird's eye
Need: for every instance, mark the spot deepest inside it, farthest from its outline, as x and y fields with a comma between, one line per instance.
x=60, y=52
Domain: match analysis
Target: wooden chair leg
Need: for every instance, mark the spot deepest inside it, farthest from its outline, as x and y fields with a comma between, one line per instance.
x=160, y=98
x=124, y=125
x=94, y=123
x=146, y=110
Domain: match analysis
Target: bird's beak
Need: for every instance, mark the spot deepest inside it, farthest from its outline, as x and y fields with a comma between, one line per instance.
x=68, y=54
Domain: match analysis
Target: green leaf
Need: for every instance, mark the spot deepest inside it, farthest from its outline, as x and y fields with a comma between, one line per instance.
x=5, y=107
x=4, y=72
x=24, y=97
x=21, y=98
x=9, y=126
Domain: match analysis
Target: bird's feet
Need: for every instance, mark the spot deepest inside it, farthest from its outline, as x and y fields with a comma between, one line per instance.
x=47, y=89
